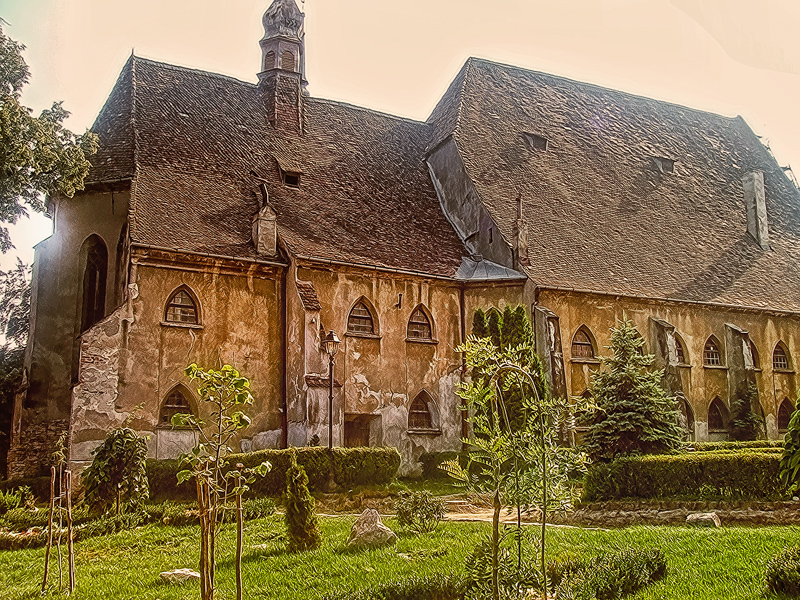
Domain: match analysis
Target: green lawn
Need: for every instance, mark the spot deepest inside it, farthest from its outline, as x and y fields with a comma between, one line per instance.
x=703, y=563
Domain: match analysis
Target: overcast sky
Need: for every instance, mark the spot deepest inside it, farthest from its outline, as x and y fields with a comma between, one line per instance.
x=727, y=56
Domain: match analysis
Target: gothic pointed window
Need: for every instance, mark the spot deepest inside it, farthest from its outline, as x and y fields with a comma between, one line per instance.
x=754, y=354
x=780, y=358
x=717, y=416
x=784, y=415
x=182, y=308
x=712, y=357
x=419, y=413
x=419, y=326
x=680, y=352
x=95, y=273
x=582, y=346
x=685, y=416
x=175, y=402
x=361, y=320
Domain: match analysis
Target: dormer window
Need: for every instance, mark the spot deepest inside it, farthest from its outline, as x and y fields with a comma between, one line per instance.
x=664, y=165
x=535, y=142
x=291, y=179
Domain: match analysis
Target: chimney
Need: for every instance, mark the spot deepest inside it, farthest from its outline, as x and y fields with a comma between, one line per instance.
x=265, y=228
x=756, y=205
x=520, y=235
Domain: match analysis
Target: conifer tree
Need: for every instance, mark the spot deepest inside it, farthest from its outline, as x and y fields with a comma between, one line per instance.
x=746, y=424
x=633, y=412
x=480, y=328
x=507, y=327
x=495, y=324
x=301, y=522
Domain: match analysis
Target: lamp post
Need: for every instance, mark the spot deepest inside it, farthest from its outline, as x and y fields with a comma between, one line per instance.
x=331, y=345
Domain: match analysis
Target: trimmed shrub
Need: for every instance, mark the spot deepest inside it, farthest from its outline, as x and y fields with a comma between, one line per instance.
x=351, y=467
x=783, y=572
x=713, y=446
x=746, y=475
x=302, y=529
x=432, y=587
x=419, y=511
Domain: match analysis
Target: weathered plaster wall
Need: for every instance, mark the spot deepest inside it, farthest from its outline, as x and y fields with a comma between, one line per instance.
x=57, y=293
x=382, y=375
x=135, y=357
x=694, y=324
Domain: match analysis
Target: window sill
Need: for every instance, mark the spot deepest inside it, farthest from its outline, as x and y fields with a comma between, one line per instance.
x=587, y=361
x=784, y=371
x=718, y=431
x=181, y=325
x=683, y=366
x=168, y=427
x=432, y=432
x=422, y=341
x=366, y=336
x=718, y=367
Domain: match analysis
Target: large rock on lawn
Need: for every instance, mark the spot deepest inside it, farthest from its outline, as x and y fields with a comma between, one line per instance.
x=370, y=532
x=709, y=519
x=179, y=576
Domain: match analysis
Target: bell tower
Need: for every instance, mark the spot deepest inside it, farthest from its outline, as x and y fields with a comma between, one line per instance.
x=282, y=78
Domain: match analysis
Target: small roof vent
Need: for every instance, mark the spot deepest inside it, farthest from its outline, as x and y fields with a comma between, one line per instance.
x=535, y=142
x=664, y=165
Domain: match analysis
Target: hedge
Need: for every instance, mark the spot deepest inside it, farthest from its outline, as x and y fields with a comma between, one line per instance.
x=746, y=475
x=351, y=467
x=712, y=446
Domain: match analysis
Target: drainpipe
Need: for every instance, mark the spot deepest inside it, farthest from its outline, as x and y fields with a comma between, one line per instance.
x=463, y=317
x=284, y=362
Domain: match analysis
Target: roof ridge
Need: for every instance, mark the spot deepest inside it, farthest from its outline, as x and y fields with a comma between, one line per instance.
x=365, y=109
x=135, y=131
x=181, y=68
x=598, y=87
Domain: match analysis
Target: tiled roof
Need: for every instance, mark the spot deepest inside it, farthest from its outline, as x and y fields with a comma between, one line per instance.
x=365, y=195
x=308, y=295
x=601, y=216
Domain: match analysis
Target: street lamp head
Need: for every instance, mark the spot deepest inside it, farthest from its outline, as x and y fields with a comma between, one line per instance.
x=331, y=343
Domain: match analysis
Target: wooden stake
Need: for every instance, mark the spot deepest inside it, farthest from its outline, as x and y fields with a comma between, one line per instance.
x=70, y=547
x=49, y=526
x=239, y=536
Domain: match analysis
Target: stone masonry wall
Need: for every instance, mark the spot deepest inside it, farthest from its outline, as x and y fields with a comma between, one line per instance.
x=31, y=457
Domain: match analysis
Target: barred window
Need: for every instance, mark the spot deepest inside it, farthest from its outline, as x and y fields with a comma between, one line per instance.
x=780, y=358
x=360, y=320
x=679, y=351
x=582, y=346
x=711, y=354
x=785, y=414
x=181, y=308
x=419, y=414
x=174, y=403
x=419, y=326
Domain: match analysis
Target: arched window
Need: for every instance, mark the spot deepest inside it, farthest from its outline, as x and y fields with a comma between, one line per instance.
x=582, y=346
x=95, y=273
x=419, y=413
x=712, y=356
x=287, y=61
x=780, y=358
x=686, y=416
x=754, y=354
x=177, y=401
x=680, y=352
x=419, y=326
x=182, y=308
x=784, y=415
x=269, y=60
x=360, y=319
x=717, y=416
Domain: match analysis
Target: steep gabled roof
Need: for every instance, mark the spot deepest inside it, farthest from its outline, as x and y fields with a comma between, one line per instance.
x=601, y=216
x=365, y=195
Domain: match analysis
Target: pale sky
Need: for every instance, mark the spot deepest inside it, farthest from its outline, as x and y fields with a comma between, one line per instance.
x=726, y=56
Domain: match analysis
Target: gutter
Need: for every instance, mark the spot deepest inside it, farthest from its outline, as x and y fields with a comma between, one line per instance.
x=259, y=261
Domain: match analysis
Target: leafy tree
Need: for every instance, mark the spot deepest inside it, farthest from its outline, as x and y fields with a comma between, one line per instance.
x=746, y=424
x=38, y=156
x=789, y=467
x=633, y=413
x=15, y=307
x=302, y=527
x=118, y=473
x=226, y=391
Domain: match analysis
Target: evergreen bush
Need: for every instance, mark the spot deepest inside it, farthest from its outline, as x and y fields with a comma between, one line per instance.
x=302, y=528
x=783, y=572
x=633, y=412
x=746, y=425
x=790, y=460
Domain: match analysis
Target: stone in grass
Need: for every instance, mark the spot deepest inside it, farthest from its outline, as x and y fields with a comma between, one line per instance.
x=709, y=519
x=369, y=531
x=179, y=576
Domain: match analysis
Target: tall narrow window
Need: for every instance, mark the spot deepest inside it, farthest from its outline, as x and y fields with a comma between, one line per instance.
x=717, y=416
x=754, y=354
x=419, y=413
x=686, y=416
x=784, y=415
x=182, y=308
x=419, y=326
x=360, y=320
x=712, y=357
x=175, y=402
x=287, y=61
x=679, y=351
x=582, y=346
x=780, y=358
x=94, y=281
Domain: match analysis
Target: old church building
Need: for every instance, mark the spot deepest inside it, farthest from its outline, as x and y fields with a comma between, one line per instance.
x=241, y=222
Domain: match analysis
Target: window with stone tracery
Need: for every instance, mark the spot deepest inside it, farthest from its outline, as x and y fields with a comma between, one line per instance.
x=182, y=308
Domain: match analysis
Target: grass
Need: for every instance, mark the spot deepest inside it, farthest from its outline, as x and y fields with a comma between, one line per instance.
x=703, y=563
